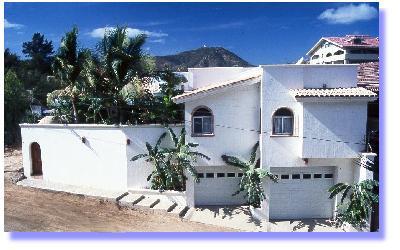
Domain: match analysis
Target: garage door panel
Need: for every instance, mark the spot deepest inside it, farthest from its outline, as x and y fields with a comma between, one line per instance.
x=301, y=198
x=218, y=191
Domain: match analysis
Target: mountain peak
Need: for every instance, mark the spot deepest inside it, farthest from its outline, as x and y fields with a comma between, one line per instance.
x=200, y=58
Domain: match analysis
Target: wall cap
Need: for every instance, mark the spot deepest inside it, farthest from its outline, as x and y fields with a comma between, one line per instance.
x=58, y=126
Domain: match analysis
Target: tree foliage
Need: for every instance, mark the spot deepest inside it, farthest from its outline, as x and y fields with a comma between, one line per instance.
x=253, y=175
x=72, y=66
x=16, y=102
x=171, y=164
x=356, y=200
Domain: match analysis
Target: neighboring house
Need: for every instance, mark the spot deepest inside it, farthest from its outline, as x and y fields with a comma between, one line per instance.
x=310, y=121
x=368, y=77
x=345, y=50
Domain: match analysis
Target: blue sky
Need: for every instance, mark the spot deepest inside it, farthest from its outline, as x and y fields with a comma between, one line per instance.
x=261, y=33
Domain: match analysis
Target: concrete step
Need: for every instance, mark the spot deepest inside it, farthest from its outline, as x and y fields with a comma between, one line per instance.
x=164, y=206
x=130, y=200
x=179, y=211
x=189, y=213
x=147, y=202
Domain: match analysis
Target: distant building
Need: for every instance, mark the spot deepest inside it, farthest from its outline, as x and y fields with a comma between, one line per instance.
x=345, y=50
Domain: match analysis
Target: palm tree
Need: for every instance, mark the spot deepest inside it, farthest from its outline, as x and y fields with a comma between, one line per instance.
x=72, y=67
x=357, y=200
x=122, y=67
x=251, y=181
x=123, y=59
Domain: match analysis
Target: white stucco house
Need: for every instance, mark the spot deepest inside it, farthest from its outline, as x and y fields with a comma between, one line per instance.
x=310, y=121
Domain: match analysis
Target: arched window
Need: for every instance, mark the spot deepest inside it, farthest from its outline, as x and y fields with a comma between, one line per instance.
x=202, y=122
x=339, y=52
x=282, y=122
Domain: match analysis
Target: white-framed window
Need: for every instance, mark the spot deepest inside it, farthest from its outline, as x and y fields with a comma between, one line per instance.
x=202, y=122
x=282, y=122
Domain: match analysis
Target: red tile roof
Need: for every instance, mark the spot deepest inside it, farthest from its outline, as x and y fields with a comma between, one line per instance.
x=333, y=92
x=368, y=76
x=348, y=41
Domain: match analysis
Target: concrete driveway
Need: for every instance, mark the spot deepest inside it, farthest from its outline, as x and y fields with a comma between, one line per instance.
x=239, y=217
x=306, y=225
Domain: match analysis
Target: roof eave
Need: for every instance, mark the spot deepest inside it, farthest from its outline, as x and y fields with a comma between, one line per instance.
x=335, y=98
x=184, y=98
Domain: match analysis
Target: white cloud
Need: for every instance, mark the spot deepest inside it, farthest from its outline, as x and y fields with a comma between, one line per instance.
x=99, y=32
x=349, y=14
x=159, y=40
x=8, y=25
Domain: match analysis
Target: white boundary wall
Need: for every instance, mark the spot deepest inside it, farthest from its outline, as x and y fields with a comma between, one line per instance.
x=102, y=162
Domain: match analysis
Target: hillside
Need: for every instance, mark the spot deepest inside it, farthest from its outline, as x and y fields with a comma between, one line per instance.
x=202, y=57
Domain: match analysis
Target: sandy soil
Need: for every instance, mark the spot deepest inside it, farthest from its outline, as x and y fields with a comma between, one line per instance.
x=28, y=209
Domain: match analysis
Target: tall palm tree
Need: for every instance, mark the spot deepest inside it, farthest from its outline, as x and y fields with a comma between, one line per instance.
x=123, y=59
x=123, y=69
x=251, y=181
x=72, y=66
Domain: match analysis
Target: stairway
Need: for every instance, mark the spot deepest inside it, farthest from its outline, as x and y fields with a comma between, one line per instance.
x=155, y=203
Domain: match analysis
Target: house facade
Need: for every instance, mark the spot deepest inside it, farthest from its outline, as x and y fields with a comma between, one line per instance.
x=345, y=50
x=310, y=121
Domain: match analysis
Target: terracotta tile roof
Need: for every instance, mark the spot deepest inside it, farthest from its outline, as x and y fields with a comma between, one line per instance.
x=368, y=76
x=348, y=41
x=333, y=92
x=254, y=78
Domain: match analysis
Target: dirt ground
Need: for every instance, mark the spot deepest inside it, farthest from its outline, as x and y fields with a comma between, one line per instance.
x=28, y=209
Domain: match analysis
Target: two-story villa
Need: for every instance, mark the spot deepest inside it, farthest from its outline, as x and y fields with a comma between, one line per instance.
x=310, y=121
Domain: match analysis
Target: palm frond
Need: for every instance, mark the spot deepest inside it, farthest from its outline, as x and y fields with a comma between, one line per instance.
x=137, y=157
x=173, y=136
x=201, y=155
x=234, y=161
x=162, y=136
x=253, y=154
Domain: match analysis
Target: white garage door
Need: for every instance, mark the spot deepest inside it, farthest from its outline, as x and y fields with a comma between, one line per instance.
x=216, y=187
x=301, y=193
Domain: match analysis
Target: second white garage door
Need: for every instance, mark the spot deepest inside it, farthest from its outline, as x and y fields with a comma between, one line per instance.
x=301, y=193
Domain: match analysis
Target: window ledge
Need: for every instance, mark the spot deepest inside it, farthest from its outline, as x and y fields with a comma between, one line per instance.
x=202, y=135
x=273, y=135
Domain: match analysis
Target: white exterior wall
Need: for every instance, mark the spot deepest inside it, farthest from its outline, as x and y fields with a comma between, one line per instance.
x=284, y=151
x=102, y=162
x=334, y=130
x=201, y=77
x=235, y=111
x=98, y=163
x=139, y=170
x=322, y=52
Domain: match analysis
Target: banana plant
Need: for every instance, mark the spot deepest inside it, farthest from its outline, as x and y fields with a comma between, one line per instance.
x=170, y=163
x=253, y=175
x=357, y=200
x=182, y=156
x=155, y=155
